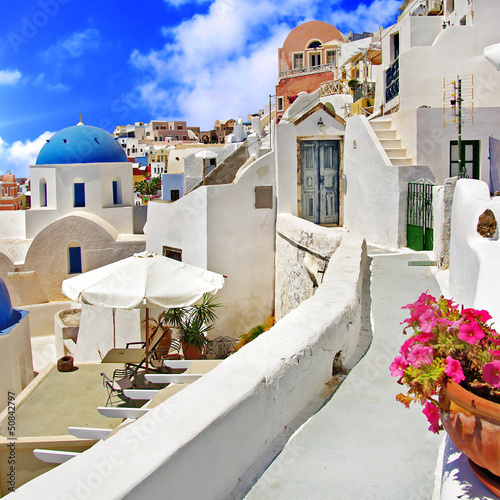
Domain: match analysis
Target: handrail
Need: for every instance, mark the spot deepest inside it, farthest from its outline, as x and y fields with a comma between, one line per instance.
x=307, y=69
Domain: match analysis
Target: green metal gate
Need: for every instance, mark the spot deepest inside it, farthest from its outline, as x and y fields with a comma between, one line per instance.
x=420, y=233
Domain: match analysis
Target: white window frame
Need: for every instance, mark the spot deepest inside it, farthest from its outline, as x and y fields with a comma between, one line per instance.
x=293, y=60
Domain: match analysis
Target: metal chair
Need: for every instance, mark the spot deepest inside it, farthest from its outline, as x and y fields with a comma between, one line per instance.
x=115, y=387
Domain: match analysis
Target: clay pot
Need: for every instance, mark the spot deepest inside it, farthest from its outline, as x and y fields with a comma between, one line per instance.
x=65, y=364
x=473, y=424
x=191, y=351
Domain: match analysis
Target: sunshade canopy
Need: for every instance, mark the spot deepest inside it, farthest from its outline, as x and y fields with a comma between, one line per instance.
x=145, y=279
x=205, y=154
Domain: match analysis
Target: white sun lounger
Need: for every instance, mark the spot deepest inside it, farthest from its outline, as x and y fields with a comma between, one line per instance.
x=168, y=378
x=89, y=432
x=121, y=412
x=54, y=456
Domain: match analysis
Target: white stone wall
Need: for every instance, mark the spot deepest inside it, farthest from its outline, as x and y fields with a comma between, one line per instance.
x=427, y=141
x=375, y=190
x=247, y=401
x=303, y=250
x=456, y=50
x=15, y=360
x=98, y=179
x=474, y=263
x=218, y=228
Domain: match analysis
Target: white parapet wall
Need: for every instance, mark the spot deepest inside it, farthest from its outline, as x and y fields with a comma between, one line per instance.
x=474, y=263
x=203, y=440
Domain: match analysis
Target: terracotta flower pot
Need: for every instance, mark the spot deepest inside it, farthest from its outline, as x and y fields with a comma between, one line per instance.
x=473, y=424
x=191, y=351
x=65, y=364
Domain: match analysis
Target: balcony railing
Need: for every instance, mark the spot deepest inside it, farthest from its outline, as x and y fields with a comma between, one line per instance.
x=364, y=90
x=392, y=81
x=339, y=86
x=306, y=70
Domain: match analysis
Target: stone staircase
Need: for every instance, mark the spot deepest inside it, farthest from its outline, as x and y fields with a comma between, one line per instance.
x=388, y=138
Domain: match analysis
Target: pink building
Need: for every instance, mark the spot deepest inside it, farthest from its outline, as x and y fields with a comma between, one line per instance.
x=10, y=199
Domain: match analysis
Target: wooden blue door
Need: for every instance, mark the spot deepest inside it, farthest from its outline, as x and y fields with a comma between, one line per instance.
x=320, y=166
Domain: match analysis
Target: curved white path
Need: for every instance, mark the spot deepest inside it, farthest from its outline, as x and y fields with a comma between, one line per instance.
x=363, y=444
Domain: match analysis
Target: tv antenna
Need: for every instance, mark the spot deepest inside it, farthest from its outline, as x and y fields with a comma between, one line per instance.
x=458, y=98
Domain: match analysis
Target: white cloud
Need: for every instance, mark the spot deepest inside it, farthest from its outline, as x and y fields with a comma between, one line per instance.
x=18, y=156
x=9, y=77
x=224, y=63
x=367, y=17
x=74, y=46
x=41, y=81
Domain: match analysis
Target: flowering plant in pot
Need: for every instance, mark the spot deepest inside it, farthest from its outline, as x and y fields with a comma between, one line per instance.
x=451, y=366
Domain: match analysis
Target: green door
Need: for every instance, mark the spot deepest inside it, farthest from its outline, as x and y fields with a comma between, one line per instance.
x=419, y=228
x=470, y=154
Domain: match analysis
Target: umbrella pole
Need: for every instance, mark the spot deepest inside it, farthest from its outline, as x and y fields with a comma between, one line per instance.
x=147, y=338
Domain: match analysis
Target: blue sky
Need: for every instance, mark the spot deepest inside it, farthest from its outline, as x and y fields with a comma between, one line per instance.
x=121, y=62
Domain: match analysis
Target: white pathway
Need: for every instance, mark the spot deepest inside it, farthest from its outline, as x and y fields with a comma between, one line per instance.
x=363, y=444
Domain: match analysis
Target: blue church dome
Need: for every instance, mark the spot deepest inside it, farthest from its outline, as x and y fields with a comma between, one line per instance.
x=5, y=305
x=81, y=144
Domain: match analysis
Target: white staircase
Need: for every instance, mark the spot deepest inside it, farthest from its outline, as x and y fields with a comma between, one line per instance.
x=392, y=145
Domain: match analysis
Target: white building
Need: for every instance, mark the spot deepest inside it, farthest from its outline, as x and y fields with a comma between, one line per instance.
x=81, y=216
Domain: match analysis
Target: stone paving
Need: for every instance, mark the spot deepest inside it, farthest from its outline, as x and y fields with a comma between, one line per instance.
x=362, y=444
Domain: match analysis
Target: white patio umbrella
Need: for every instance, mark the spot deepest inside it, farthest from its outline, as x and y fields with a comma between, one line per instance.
x=143, y=280
x=205, y=155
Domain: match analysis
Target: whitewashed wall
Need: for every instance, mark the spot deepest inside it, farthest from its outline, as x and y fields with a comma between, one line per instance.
x=474, y=263
x=15, y=358
x=456, y=50
x=13, y=223
x=247, y=401
x=98, y=194
x=218, y=228
x=375, y=190
x=427, y=141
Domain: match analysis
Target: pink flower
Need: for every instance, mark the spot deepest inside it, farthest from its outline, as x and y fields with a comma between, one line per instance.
x=495, y=353
x=419, y=355
x=405, y=348
x=454, y=370
x=423, y=302
x=431, y=412
x=491, y=373
x=398, y=366
x=423, y=337
x=414, y=318
x=454, y=325
x=470, y=332
x=428, y=321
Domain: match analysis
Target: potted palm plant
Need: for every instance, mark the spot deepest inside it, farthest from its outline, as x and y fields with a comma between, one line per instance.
x=451, y=366
x=193, y=324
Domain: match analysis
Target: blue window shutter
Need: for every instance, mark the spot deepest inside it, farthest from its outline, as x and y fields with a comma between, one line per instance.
x=79, y=194
x=75, y=260
x=115, y=192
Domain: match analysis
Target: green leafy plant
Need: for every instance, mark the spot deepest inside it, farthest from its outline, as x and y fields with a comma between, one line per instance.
x=448, y=342
x=148, y=187
x=194, y=322
x=352, y=83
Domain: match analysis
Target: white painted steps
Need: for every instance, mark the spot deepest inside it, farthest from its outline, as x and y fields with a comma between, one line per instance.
x=389, y=141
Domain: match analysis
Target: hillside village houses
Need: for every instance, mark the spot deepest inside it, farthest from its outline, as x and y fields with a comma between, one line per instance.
x=285, y=214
